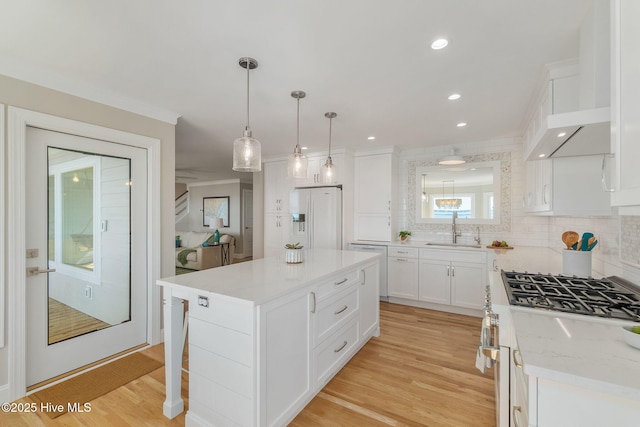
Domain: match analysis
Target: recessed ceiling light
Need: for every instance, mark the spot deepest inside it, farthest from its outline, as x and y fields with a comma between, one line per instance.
x=561, y=134
x=461, y=124
x=439, y=44
x=454, y=96
x=541, y=155
x=371, y=138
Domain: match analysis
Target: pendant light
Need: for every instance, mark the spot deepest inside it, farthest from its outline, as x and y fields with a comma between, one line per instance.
x=328, y=170
x=246, y=150
x=297, y=164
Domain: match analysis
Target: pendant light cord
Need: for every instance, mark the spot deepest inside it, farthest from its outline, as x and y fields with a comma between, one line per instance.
x=248, y=68
x=330, y=121
x=298, y=126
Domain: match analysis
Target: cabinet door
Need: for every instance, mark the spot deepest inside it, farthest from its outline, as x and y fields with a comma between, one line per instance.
x=276, y=187
x=314, y=171
x=372, y=227
x=403, y=278
x=373, y=177
x=435, y=281
x=369, y=300
x=626, y=102
x=538, y=195
x=285, y=363
x=276, y=232
x=468, y=284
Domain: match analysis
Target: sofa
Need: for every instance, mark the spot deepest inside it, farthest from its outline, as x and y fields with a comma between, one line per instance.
x=198, y=257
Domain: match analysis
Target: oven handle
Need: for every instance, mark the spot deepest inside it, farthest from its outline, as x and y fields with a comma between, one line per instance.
x=490, y=337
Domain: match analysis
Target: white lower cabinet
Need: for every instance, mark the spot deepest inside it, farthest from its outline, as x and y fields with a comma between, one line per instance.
x=519, y=388
x=456, y=278
x=402, y=272
x=285, y=359
x=369, y=291
x=260, y=365
x=539, y=402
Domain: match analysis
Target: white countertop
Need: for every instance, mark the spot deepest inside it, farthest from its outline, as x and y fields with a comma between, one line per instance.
x=261, y=280
x=582, y=351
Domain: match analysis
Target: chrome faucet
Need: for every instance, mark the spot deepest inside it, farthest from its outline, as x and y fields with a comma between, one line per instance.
x=477, y=238
x=454, y=233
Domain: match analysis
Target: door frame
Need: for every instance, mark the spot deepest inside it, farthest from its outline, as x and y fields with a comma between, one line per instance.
x=18, y=120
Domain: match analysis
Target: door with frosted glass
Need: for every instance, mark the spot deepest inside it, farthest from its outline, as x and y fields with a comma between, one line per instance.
x=86, y=239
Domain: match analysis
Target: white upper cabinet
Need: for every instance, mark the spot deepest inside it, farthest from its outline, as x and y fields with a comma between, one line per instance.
x=276, y=187
x=374, y=197
x=314, y=171
x=625, y=102
x=567, y=186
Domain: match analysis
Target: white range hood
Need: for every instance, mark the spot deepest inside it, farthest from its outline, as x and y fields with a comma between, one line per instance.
x=573, y=117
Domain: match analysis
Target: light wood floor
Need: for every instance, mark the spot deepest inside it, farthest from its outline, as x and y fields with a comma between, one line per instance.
x=419, y=372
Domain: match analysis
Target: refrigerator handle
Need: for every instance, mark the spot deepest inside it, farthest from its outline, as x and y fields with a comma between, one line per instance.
x=311, y=229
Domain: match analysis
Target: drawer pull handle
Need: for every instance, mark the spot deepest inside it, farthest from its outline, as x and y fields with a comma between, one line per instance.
x=341, y=310
x=516, y=362
x=403, y=252
x=313, y=294
x=341, y=282
x=339, y=349
x=515, y=410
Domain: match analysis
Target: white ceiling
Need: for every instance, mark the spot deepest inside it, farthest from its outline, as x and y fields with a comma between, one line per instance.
x=367, y=60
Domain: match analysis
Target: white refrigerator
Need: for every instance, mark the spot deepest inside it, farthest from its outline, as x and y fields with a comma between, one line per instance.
x=316, y=217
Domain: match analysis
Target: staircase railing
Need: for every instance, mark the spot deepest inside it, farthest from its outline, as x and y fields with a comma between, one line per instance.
x=182, y=206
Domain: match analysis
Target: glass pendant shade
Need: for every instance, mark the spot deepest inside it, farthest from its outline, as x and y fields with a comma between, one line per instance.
x=297, y=162
x=328, y=172
x=247, y=154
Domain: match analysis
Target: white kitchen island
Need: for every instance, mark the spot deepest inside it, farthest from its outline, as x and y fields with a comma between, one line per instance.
x=265, y=336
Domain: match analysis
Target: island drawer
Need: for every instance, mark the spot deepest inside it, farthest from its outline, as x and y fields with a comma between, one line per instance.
x=331, y=355
x=395, y=251
x=223, y=313
x=334, y=312
x=338, y=283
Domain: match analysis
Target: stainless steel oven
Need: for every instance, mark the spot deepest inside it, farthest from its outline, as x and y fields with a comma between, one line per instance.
x=493, y=352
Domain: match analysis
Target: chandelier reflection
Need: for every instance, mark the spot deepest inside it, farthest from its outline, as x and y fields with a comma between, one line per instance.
x=448, y=203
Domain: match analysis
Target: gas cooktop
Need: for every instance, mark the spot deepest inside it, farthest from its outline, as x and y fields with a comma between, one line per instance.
x=611, y=297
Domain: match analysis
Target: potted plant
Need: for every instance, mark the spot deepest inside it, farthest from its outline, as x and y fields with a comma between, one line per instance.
x=404, y=235
x=293, y=253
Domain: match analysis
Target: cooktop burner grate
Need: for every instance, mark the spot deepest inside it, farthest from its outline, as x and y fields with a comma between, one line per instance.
x=608, y=297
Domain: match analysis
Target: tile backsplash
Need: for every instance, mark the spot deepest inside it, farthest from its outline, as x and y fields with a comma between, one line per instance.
x=612, y=256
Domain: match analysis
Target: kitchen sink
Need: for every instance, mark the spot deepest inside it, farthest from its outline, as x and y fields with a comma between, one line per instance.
x=453, y=245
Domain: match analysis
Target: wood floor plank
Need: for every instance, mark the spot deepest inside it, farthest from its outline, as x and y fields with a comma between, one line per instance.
x=419, y=372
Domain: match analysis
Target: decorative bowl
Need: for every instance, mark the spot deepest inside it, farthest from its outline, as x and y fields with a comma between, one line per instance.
x=631, y=338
